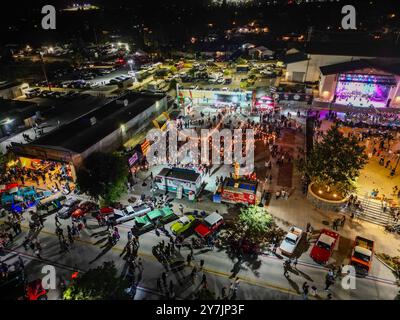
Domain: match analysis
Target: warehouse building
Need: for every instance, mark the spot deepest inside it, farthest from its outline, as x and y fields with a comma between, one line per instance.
x=104, y=129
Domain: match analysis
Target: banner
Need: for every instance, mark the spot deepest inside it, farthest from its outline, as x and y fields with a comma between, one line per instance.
x=289, y=96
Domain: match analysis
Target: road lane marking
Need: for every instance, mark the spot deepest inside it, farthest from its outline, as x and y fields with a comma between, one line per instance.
x=257, y=282
x=67, y=267
x=251, y=281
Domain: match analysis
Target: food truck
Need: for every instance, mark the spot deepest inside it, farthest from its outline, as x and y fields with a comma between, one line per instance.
x=237, y=191
x=184, y=181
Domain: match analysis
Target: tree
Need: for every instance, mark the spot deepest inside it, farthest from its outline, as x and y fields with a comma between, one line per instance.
x=101, y=283
x=3, y=163
x=240, y=60
x=256, y=222
x=335, y=162
x=103, y=176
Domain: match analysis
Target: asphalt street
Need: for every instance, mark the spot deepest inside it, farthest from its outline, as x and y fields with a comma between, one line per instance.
x=260, y=279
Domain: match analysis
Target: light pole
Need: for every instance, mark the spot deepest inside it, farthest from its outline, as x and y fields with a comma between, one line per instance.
x=44, y=69
x=130, y=62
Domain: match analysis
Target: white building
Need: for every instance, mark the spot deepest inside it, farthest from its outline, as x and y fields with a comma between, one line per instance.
x=261, y=52
x=305, y=67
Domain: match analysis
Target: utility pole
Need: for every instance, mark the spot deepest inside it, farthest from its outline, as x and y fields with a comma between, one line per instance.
x=310, y=31
x=44, y=70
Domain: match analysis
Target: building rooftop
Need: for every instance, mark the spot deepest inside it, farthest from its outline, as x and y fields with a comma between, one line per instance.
x=295, y=57
x=10, y=108
x=85, y=131
x=7, y=85
x=181, y=174
x=371, y=49
x=392, y=68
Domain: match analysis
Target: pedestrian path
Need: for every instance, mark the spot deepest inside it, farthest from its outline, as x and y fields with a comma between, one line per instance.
x=371, y=212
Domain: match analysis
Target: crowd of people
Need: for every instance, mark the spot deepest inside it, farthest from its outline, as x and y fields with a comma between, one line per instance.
x=46, y=174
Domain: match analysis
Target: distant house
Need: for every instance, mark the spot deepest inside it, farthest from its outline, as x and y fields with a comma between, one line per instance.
x=292, y=51
x=12, y=90
x=261, y=52
x=305, y=67
x=247, y=46
x=14, y=114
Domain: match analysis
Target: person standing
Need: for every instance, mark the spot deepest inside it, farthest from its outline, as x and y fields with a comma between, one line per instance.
x=286, y=267
x=328, y=283
x=129, y=235
x=295, y=263
x=201, y=264
x=204, y=281
x=189, y=259
x=314, y=291
x=140, y=264
x=37, y=253
x=193, y=273
x=305, y=290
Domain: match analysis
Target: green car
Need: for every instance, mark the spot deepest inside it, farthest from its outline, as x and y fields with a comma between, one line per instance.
x=183, y=224
x=143, y=223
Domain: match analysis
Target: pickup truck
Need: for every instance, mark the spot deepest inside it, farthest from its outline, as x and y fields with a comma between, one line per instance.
x=291, y=240
x=361, y=255
x=130, y=212
x=210, y=225
x=323, y=248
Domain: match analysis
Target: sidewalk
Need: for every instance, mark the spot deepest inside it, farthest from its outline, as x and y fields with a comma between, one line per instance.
x=298, y=211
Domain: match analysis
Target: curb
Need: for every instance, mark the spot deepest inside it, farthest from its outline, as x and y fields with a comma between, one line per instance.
x=397, y=273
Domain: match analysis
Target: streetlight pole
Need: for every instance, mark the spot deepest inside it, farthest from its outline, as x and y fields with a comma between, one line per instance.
x=44, y=70
x=130, y=62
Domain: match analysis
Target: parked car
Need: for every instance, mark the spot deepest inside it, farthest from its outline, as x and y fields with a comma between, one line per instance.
x=69, y=206
x=84, y=208
x=291, y=240
x=228, y=80
x=51, y=206
x=44, y=93
x=31, y=93
x=130, y=212
x=143, y=223
x=220, y=80
x=16, y=287
x=183, y=224
x=209, y=225
x=361, y=255
x=323, y=248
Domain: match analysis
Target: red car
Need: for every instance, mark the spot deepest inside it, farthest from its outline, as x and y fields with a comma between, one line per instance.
x=83, y=209
x=4, y=188
x=105, y=211
x=210, y=224
x=323, y=248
